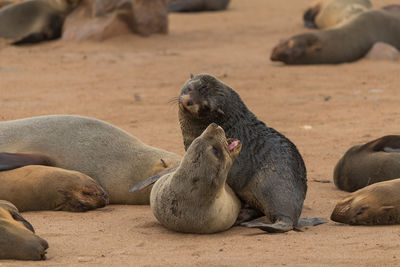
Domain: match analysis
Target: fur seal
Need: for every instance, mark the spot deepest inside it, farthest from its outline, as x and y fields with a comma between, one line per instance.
x=34, y=21
x=362, y=165
x=35, y=187
x=329, y=13
x=372, y=205
x=197, y=5
x=112, y=157
x=349, y=42
x=17, y=238
x=269, y=174
x=195, y=198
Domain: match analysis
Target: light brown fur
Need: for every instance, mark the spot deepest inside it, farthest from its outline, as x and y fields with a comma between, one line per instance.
x=330, y=13
x=16, y=241
x=112, y=157
x=373, y=205
x=195, y=198
x=37, y=187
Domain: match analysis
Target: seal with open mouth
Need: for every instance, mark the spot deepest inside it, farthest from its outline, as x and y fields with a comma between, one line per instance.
x=195, y=198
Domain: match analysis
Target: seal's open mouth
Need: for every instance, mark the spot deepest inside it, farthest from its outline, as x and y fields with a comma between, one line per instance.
x=234, y=146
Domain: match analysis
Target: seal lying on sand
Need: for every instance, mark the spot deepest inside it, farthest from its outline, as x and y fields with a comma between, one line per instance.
x=375, y=204
x=329, y=13
x=48, y=188
x=112, y=157
x=349, y=42
x=362, y=165
x=195, y=198
x=34, y=21
x=17, y=238
x=197, y=5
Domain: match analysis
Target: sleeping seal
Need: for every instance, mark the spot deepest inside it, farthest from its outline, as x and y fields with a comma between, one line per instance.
x=34, y=21
x=112, y=157
x=195, y=198
x=374, y=204
x=329, y=13
x=349, y=42
x=17, y=238
x=362, y=165
x=36, y=187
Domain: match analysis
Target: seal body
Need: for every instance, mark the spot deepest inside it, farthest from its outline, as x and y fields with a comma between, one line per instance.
x=362, y=165
x=269, y=175
x=197, y=5
x=374, y=204
x=34, y=20
x=349, y=42
x=112, y=157
x=330, y=13
x=36, y=187
x=195, y=198
x=17, y=241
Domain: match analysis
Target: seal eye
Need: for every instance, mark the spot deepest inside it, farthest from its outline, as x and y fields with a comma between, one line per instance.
x=216, y=152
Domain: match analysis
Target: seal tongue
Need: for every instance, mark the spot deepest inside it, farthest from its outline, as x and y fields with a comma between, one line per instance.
x=232, y=145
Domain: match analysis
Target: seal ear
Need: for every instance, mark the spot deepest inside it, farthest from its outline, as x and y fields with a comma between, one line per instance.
x=191, y=75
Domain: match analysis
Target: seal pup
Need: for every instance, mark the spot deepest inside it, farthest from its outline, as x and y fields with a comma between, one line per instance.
x=34, y=21
x=372, y=205
x=362, y=165
x=329, y=13
x=17, y=238
x=109, y=155
x=36, y=187
x=195, y=198
x=197, y=5
x=349, y=42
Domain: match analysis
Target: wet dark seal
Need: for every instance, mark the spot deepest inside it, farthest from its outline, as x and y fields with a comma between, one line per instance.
x=195, y=198
x=362, y=165
x=269, y=174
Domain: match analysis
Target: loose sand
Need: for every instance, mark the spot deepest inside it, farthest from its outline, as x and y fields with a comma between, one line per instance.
x=128, y=81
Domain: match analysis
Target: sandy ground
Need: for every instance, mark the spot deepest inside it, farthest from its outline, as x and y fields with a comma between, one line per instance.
x=128, y=81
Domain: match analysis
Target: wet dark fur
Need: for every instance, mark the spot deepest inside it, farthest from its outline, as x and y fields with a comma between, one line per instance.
x=362, y=165
x=269, y=174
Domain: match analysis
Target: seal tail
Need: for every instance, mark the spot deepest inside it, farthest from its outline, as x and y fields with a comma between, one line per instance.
x=152, y=180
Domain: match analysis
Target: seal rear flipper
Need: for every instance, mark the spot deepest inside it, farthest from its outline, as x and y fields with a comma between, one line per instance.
x=277, y=227
x=388, y=143
x=9, y=161
x=309, y=222
x=152, y=180
x=247, y=214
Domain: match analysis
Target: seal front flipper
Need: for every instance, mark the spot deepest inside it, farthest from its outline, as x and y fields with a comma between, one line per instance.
x=152, y=179
x=309, y=222
x=9, y=161
x=18, y=217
